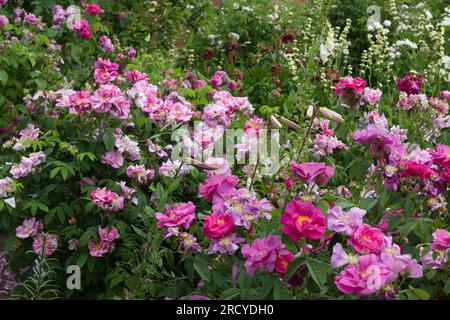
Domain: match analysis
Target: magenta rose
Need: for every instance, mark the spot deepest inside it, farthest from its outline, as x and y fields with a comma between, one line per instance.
x=217, y=226
x=303, y=220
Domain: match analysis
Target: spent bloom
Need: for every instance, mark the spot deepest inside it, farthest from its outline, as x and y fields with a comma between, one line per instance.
x=345, y=221
x=262, y=254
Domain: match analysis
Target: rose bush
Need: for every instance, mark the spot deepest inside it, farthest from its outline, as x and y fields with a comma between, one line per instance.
x=144, y=162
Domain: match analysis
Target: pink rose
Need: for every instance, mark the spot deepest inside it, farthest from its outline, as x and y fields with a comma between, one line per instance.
x=114, y=158
x=181, y=215
x=372, y=96
x=310, y=171
x=358, y=85
x=303, y=220
x=366, y=239
x=93, y=9
x=441, y=239
x=217, y=186
x=445, y=94
x=365, y=278
x=217, y=226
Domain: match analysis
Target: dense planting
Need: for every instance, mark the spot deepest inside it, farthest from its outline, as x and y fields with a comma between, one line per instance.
x=238, y=150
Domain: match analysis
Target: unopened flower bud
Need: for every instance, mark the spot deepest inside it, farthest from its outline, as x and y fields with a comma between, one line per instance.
x=289, y=123
x=275, y=123
x=331, y=115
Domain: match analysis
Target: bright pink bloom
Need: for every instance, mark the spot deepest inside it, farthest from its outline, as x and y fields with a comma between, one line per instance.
x=254, y=126
x=262, y=254
x=217, y=226
x=105, y=71
x=416, y=169
x=109, y=98
x=3, y=21
x=350, y=86
x=303, y=220
x=441, y=239
x=83, y=28
x=445, y=94
x=80, y=102
x=366, y=239
x=441, y=155
x=134, y=76
x=181, y=215
x=93, y=9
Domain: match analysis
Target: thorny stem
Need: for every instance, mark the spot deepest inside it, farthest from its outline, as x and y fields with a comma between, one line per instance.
x=178, y=171
x=311, y=122
x=254, y=174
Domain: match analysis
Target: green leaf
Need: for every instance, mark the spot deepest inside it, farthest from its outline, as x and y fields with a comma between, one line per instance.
x=323, y=206
x=367, y=203
x=317, y=272
x=139, y=232
x=64, y=173
x=293, y=267
x=447, y=287
x=115, y=281
x=230, y=293
x=54, y=172
x=82, y=260
x=109, y=140
x=407, y=228
x=280, y=292
x=84, y=239
x=3, y=76
x=422, y=294
x=201, y=266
